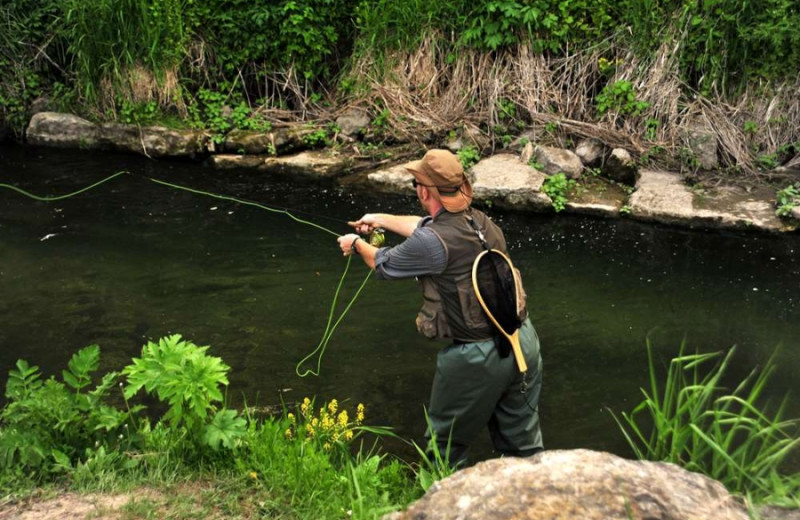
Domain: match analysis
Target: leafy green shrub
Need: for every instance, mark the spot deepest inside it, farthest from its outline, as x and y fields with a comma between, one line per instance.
x=468, y=155
x=788, y=199
x=557, y=187
x=49, y=424
x=619, y=97
x=727, y=436
x=183, y=376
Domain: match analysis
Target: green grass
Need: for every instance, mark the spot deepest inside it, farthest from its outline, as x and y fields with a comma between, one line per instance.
x=696, y=422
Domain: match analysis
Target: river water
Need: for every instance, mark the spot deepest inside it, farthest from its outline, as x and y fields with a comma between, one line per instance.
x=131, y=261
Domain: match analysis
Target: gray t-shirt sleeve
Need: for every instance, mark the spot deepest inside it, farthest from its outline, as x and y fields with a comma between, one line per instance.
x=421, y=254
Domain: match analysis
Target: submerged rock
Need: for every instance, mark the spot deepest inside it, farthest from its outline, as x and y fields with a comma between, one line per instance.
x=575, y=484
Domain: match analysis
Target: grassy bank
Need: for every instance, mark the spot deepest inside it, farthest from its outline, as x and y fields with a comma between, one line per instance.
x=309, y=460
x=194, y=458
x=635, y=73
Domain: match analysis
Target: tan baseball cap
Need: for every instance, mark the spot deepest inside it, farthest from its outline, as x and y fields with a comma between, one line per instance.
x=441, y=172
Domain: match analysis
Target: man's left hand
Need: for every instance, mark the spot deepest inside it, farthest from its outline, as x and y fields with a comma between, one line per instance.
x=346, y=243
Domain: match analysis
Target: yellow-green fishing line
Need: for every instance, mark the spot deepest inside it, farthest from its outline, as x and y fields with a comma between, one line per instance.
x=329, y=329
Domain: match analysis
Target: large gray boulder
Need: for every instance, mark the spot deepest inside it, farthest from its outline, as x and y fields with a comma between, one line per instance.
x=505, y=180
x=575, y=484
x=62, y=130
x=557, y=160
x=353, y=122
x=153, y=141
x=663, y=197
x=70, y=131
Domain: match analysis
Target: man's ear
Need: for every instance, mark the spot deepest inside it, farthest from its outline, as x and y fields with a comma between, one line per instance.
x=425, y=195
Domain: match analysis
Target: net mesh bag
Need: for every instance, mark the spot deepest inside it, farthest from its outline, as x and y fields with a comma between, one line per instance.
x=493, y=278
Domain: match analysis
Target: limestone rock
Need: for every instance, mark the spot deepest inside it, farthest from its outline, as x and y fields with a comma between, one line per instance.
x=41, y=104
x=526, y=154
x=395, y=180
x=153, y=141
x=557, y=160
x=249, y=142
x=522, y=140
x=702, y=142
x=574, y=484
x=796, y=212
x=353, y=121
x=590, y=151
x=621, y=167
x=470, y=135
x=506, y=181
x=62, y=130
x=279, y=141
x=233, y=161
x=312, y=163
x=663, y=197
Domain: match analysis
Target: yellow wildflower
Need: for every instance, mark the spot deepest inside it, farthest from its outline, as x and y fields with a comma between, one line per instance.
x=327, y=423
x=333, y=406
x=348, y=435
x=359, y=413
x=343, y=419
x=310, y=430
x=326, y=446
x=288, y=433
x=305, y=406
x=253, y=475
x=291, y=418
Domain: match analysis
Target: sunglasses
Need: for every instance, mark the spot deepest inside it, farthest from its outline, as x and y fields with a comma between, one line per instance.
x=442, y=190
x=414, y=183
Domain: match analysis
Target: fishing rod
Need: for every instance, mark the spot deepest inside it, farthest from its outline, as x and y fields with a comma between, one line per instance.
x=330, y=326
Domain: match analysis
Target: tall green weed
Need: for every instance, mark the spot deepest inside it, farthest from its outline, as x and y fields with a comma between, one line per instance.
x=726, y=434
x=108, y=39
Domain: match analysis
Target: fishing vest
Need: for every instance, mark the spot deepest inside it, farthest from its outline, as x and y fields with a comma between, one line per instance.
x=450, y=307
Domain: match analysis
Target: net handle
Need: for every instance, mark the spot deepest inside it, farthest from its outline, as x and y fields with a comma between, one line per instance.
x=512, y=338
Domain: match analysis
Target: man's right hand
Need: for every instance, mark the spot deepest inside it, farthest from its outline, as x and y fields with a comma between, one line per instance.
x=365, y=224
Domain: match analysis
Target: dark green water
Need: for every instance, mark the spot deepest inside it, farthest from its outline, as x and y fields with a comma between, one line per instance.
x=133, y=260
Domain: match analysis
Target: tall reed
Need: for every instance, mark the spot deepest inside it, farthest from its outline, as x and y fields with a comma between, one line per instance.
x=110, y=39
x=726, y=434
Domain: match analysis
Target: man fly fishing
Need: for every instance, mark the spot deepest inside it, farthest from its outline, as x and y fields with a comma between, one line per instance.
x=476, y=383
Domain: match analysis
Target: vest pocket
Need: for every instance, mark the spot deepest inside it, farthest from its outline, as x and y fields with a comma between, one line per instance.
x=474, y=316
x=431, y=319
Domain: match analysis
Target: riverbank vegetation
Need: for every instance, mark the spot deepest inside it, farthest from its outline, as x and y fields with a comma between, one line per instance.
x=639, y=74
x=188, y=452
x=309, y=460
x=694, y=420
